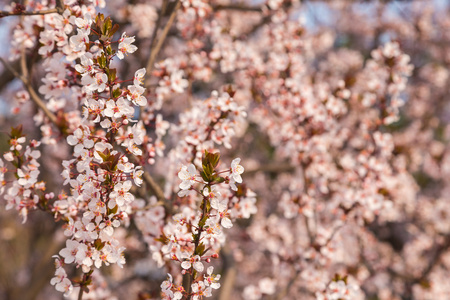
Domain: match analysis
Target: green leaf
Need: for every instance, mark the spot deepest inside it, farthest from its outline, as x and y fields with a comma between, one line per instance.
x=215, y=159
x=112, y=211
x=208, y=206
x=204, y=176
x=109, y=50
x=200, y=249
x=219, y=179
x=204, y=158
x=163, y=239
x=102, y=61
x=112, y=75
x=104, y=156
x=114, y=161
x=107, y=26
x=114, y=30
x=16, y=132
x=203, y=221
x=116, y=93
x=98, y=244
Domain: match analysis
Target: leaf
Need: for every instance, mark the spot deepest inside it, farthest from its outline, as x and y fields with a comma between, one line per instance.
x=200, y=249
x=203, y=221
x=16, y=132
x=98, y=244
x=204, y=176
x=163, y=239
x=219, y=179
x=112, y=211
x=116, y=93
x=114, y=30
x=112, y=75
x=104, y=156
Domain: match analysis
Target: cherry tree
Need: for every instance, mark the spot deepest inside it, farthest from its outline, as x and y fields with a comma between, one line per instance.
x=189, y=149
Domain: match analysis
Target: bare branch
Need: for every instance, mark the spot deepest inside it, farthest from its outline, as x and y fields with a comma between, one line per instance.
x=272, y=168
x=238, y=7
x=154, y=186
x=60, y=6
x=34, y=96
x=154, y=52
x=230, y=273
x=158, y=23
x=29, y=13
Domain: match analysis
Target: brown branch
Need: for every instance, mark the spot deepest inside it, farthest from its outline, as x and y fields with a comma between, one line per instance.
x=80, y=294
x=230, y=272
x=154, y=187
x=272, y=168
x=154, y=51
x=283, y=293
x=60, y=6
x=7, y=75
x=34, y=96
x=238, y=7
x=29, y=13
x=158, y=23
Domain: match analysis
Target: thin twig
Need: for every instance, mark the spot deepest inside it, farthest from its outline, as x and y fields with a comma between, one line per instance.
x=154, y=52
x=238, y=7
x=154, y=187
x=60, y=6
x=272, y=168
x=229, y=276
x=29, y=13
x=34, y=96
x=80, y=293
x=158, y=23
x=285, y=291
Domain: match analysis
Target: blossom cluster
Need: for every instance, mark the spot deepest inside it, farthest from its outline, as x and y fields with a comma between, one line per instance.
x=343, y=132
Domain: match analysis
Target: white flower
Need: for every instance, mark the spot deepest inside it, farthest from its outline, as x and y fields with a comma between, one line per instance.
x=84, y=23
x=69, y=253
x=135, y=95
x=167, y=284
x=60, y=274
x=236, y=170
x=125, y=46
x=99, y=82
x=79, y=40
x=225, y=220
x=267, y=286
x=27, y=178
x=137, y=175
x=118, y=108
x=211, y=279
x=8, y=156
x=64, y=286
x=121, y=194
x=200, y=290
x=213, y=194
x=139, y=77
x=86, y=65
x=187, y=175
x=80, y=136
x=192, y=262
